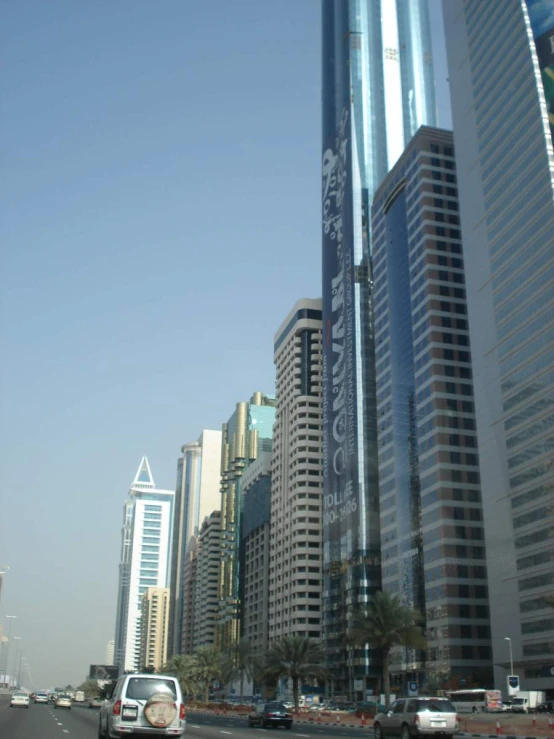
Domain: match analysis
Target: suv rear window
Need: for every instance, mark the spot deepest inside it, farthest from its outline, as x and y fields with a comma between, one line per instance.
x=275, y=707
x=143, y=688
x=436, y=704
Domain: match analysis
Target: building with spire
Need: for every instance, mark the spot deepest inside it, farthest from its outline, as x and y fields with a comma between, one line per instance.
x=144, y=560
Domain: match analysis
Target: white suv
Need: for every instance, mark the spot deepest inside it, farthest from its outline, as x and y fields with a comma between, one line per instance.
x=423, y=716
x=149, y=705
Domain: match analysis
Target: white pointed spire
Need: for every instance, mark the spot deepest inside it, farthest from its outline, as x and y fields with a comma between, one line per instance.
x=143, y=478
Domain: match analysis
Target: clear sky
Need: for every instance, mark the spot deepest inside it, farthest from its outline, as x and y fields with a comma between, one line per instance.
x=160, y=194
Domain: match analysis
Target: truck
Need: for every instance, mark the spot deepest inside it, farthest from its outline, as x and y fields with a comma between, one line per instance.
x=79, y=696
x=527, y=701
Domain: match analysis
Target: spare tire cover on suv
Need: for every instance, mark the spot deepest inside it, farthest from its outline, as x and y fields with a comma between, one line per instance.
x=160, y=710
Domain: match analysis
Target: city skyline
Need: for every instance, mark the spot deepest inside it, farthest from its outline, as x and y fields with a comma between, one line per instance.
x=89, y=398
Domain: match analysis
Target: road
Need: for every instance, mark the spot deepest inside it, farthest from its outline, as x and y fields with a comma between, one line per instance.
x=82, y=723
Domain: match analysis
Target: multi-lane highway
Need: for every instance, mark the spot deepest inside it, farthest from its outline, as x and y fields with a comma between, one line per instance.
x=82, y=723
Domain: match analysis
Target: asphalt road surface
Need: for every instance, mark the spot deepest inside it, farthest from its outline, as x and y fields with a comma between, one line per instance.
x=44, y=722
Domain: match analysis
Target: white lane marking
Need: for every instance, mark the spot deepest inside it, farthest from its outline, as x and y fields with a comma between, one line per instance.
x=66, y=731
x=225, y=732
x=195, y=726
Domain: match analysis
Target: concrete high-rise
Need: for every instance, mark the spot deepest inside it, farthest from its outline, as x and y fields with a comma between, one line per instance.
x=503, y=116
x=196, y=496
x=206, y=601
x=378, y=89
x=189, y=597
x=432, y=539
x=295, y=570
x=154, y=628
x=255, y=552
x=248, y=432
x=144, y=560
x=110, y=653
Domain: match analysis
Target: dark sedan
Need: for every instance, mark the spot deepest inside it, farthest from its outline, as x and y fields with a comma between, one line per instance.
x=270, y=715
x=547, y=707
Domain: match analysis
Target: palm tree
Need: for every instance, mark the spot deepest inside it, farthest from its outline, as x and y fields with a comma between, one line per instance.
x=386, y=623
x=297, y=658
x=238, y=663
x=208, y=666
x=182, y=666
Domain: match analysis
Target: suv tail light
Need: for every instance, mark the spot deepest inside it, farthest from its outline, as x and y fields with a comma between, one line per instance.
x=416, y=719
x=182, y=711
x=116, y=710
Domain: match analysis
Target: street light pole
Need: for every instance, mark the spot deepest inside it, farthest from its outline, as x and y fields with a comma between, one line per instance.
x=17, y=651
x=507, y=638
x=12, y=618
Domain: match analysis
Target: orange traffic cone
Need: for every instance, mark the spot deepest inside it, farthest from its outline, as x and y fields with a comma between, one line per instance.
x=498, y=729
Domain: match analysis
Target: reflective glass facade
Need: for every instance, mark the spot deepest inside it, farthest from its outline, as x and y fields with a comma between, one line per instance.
x=506, y=184
x=377, y=90
x=248, y=432
x=433, y=557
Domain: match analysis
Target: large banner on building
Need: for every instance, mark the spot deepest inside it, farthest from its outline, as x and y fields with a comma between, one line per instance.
x=541, y=14
x=342, y=438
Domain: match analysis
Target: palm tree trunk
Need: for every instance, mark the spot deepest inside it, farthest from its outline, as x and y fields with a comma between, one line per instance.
x=386, y=677
x=207, y=692
x=295, y=693
x=241, y=688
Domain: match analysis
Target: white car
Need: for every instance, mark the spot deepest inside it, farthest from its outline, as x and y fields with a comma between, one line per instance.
x=143, y=704
x=63, y=701
x=41, y=698
x=19, y=698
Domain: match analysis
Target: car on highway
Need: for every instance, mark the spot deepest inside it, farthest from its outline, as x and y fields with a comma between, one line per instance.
x=546, y=707
x=409, y=717
x=95, y=702
x=41, y=697
x=144, y=704
x=63, y=701
x=271, y=715
x=19, y=699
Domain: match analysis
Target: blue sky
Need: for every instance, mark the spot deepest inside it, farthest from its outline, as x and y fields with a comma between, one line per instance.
x=160, y=190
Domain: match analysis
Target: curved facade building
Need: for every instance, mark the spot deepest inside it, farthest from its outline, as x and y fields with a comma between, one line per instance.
x=378, y=90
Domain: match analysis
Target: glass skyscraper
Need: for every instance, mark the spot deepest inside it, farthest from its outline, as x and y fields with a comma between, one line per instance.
x=501, y=68
x=378, y=89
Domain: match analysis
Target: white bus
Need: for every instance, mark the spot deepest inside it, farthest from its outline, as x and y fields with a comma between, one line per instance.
x=475, y=700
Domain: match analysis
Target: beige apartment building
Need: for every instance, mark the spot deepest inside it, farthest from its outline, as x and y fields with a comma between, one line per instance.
x=206, y=601
x=154, y=628
x=295, y=577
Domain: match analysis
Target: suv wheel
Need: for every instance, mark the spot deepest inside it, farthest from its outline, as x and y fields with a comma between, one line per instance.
x=378, y=731
x=406, y=733
x=101, y=734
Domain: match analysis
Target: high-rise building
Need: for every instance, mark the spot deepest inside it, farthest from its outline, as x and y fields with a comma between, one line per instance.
x=295, y=572
x=378, y=90
x=505, y=156
x=110, y=653
x=189, y=597
x=432, y=540
x=255, y=552
x=247, y=433
x=144, y=559
x=154, y=628
x=196, y=496
x=206, y=601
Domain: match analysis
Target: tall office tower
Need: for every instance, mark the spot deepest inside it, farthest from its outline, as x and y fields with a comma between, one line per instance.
x=154, y=628
x=377, y=91
x=189, y=596
x=110, y=652
x=255, y=553
x=247, y=433
x=432, y=540
x=505, y=155
x=206, y=602
x=295, y=576
x=144, y=559
x=196, y=496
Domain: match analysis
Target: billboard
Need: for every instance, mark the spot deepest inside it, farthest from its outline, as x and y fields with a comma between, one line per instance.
x=103, y=672
x=541, y=15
